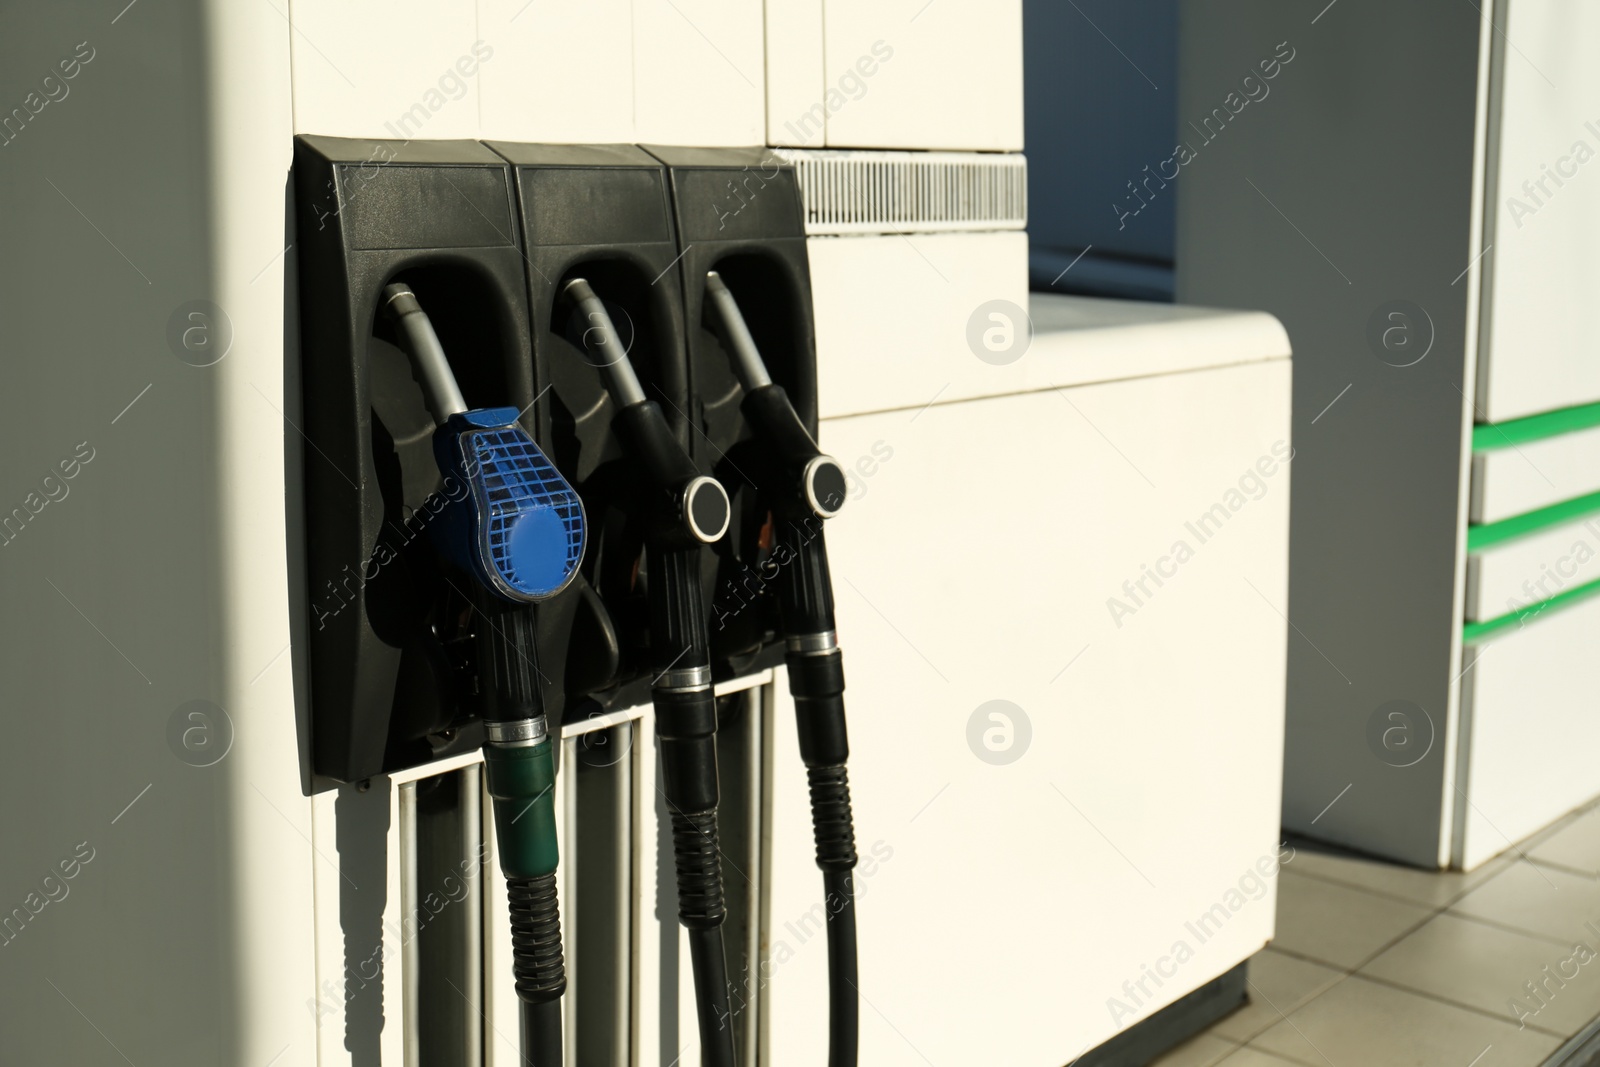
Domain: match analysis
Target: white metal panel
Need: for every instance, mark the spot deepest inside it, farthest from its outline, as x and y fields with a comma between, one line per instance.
x=794, y=73
x=249, y=123
x=1543, y=343
x=699, y=72
x=1515, y=575
x=1529, y=706
x=920, y=74
x=561, y=72
x=1081, y=340
x=656, y=71
x=1083, y=861
x=896, y=315
x=394, y=69
x=1509, y=481
x=892, y=313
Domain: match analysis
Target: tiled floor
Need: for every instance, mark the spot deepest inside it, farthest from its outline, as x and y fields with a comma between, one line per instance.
x=1377, y=965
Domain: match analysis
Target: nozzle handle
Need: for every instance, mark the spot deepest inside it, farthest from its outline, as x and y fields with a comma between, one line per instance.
x=695, y=505
x=428, y=361
x=815, y=482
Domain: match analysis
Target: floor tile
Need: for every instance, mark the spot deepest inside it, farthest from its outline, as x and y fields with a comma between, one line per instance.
x=1359, y=1023
x=1549, y=901
x=1436, y=888
x=1202, y=1050
x=1255, y=1057
x=1484, y=967
x=1278, y=984
x=1335, y=924
x=1557, y=824
x=1575, y=845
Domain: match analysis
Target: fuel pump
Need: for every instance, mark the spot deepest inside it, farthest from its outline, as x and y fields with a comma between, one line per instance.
x=520, y=600
x=518, y=533
x=802, y=487
x=684, y=511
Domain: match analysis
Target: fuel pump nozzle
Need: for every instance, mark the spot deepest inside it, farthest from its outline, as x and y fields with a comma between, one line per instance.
x=813, y=483
x=805, y=487
x=685, y=511
x=691, y=509
x=519, y=532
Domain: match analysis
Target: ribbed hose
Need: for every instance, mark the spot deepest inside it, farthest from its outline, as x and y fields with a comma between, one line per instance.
x=834, y=829
x=701, y=909
x=694, y=848
x=831, y=822
x=536, y=958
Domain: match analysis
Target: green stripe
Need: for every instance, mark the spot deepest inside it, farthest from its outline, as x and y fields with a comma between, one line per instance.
x=1493, y=435
x=1474, y=631
x=1529, y=522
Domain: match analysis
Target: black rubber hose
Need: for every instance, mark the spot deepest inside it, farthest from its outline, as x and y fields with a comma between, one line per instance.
x=844, y=1019
x=710, y=966
x=541, y=1033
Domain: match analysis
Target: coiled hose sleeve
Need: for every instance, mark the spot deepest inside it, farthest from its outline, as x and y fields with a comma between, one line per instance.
x=539, y=967
x=701, y=909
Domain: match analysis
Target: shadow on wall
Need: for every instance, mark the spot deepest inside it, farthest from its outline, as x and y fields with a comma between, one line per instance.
x=362, y=812
x=1101, y=84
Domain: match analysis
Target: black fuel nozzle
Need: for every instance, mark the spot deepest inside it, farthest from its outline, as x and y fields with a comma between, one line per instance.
x=811, y=482
x=687, y=507
x=684, y=511
x=806, y=487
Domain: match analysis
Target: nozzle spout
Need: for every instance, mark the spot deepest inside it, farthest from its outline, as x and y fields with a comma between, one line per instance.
x=428, y=361
x=747, y=362
x=601, y=341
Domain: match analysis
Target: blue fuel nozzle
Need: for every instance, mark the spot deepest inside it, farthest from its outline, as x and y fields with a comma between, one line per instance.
x=519, y=527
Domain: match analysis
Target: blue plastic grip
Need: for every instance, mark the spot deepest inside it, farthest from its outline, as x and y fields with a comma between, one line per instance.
x=520, y=527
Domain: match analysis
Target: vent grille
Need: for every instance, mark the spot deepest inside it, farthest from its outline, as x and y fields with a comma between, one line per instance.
x=910, y=192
